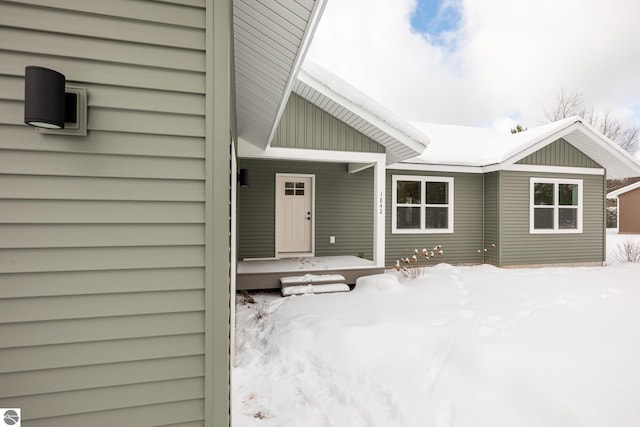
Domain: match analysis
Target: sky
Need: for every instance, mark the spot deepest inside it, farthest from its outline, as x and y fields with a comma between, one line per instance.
x=489, y=63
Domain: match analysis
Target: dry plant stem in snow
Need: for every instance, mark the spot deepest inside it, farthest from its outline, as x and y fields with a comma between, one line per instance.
x=415, y=266
x=628, y=251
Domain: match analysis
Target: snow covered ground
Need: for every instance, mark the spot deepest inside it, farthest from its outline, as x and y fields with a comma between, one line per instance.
x=464, y=346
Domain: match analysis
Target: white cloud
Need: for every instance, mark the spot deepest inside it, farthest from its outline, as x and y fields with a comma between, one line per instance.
x=509, y=60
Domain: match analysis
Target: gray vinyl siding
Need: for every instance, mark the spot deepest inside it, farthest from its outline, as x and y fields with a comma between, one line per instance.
x=102, y=238
x=303, y=125
x=519, y=247
x=559, y=153
x=343, y=208
x=461, y=246
x=491, y=217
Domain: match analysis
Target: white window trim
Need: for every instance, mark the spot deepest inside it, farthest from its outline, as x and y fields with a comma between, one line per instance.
x=555, y=207
x=423, y=206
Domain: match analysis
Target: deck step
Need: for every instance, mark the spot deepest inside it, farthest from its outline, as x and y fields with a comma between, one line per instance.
x=314, y=289
x=311, y=279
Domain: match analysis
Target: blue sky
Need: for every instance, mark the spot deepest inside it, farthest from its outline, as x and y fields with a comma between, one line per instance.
x=434, y=17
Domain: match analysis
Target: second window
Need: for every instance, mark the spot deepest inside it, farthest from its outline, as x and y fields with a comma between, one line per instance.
x=422, y=204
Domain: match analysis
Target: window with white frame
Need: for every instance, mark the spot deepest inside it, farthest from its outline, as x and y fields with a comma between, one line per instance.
x=422, y=204
x=555, y=206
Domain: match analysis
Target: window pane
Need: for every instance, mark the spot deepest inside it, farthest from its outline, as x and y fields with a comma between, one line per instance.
x=568, y=194
x=288, y=184
x=437, y=193
x=299, y=188
x=288, y=192
x=543, y=218
x=542, y=194
x=408, y=218
x=568, y=218
x=409, y=192
x=437, y=218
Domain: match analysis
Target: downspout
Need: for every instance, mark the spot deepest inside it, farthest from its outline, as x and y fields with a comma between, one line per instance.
x=483, y=216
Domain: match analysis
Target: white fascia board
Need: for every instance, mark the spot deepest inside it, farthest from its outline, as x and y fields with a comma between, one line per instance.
x=623, y=190
x=312, y=24
x=246, y=150
x=416, y=146
x=435, y=168
x=555, y=169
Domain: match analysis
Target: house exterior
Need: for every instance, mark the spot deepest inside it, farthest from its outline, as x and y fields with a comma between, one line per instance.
x=628, y=207
x=538, y=196
x=531, y=199
x=117, y=248
x=318, y=188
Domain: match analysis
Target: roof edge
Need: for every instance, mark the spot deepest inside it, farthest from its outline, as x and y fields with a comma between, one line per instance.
x=316, y=14
x=623, y=190
x=372, y=111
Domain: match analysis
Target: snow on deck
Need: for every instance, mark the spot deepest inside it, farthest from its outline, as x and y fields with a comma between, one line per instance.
x=301, y=264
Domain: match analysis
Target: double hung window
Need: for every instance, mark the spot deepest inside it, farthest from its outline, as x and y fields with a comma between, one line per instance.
x=555, y=206
x=422, y=204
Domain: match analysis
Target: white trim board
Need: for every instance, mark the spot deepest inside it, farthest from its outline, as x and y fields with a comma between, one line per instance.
x=623, y=190
x=555, y=169
x=495, y=168
x=247, y=150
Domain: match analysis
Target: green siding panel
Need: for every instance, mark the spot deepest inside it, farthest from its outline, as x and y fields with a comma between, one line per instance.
x=343, y=208
x=303, y=125
x=461, y=246
x=519, y=247
x=559, y=153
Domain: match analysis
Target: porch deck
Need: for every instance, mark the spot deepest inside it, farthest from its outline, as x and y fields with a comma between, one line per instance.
x=266, y=274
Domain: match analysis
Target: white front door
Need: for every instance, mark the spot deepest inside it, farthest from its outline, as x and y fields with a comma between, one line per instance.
x=294, y=215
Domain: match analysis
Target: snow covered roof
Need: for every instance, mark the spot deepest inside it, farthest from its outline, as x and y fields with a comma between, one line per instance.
x=484, y=150
x=343, y=101
x=623, y=190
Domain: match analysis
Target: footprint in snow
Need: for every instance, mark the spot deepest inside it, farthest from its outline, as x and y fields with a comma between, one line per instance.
x=463, y=301
x=445, y=412
x=485, y=331
x=493, y=319
x=440, y=321
x=525, y=313
x=466, y=313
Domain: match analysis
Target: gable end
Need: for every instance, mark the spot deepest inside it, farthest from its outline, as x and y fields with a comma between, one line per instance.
x=559, y=153
x=306, y=126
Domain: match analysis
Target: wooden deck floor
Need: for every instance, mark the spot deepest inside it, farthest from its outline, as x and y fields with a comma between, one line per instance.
x=266, y=274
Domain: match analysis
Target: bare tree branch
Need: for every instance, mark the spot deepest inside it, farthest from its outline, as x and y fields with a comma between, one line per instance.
x=567, y=104
x=572, y=104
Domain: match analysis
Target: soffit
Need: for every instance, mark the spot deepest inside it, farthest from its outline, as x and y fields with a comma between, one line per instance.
x=270, y=40
x=617, y=163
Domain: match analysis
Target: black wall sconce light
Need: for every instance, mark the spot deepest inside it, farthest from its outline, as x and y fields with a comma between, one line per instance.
x=243, y=178
x=52, y=107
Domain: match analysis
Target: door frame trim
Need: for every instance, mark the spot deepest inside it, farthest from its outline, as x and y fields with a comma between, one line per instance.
x=313, y=217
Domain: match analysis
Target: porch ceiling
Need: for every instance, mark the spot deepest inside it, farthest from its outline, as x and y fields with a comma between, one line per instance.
x=401, y=140
x=270, y=41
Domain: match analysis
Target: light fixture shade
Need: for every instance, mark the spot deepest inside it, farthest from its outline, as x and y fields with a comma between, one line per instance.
x=44, y=94
x=243, y=178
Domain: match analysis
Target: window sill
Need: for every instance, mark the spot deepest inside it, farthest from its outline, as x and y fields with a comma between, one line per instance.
x=415, y=231
x=555, y=231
